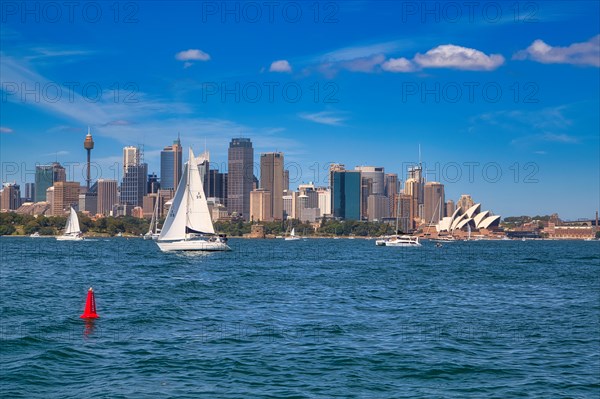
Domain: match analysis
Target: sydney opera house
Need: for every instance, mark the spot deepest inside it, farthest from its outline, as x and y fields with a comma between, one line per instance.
x=474, y=219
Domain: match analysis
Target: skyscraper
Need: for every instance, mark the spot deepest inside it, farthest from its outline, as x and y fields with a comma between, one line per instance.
x=240, y=176
x=272, y=179
x=10, y=197
x=131, y=157
x=153, y=183
x=135, y=173
x=29, y=192
x=450, y=208
x=465, y=202
x=45, y=177
x=107, y=195
x=372, y=183
x=345, y=192
x=391, y=189
x=260, y=205
x=434, y=203
x=170, y=166
x=66, y=194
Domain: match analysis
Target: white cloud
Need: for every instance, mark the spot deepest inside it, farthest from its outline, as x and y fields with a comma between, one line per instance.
x=280, y=66
x=586, y=53
x=4, y=129
x=192, y=55
x=398, y=65
x=324, y=117
x=457, y=57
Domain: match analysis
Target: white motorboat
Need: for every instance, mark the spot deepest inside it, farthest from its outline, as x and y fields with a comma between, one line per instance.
x=35, y=235
x=188, y=226
x=72, y=230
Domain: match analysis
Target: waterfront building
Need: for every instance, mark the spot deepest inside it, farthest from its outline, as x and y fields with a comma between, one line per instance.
x=272, y=180
x=240, y=176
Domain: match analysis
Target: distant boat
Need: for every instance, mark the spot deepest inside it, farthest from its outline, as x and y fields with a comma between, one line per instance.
x=292, y=236
x=72, y=231
x=153, y=230
x=188, y=226
x=35, y=235
x=398, y=241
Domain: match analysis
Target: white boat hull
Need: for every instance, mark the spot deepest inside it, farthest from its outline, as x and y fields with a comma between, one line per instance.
x=192, y=245
x=69, y=238
x=398, y=242
x=291, y=238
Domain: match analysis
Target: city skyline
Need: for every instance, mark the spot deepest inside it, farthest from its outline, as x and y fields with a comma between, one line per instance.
x=490, y=115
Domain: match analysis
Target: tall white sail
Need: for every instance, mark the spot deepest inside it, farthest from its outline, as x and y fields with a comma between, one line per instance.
x=72, y=226
x=174, y=226
x=198, y=217
x=189, y=211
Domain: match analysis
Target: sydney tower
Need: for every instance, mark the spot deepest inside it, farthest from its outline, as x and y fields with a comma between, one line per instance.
x=88, y=144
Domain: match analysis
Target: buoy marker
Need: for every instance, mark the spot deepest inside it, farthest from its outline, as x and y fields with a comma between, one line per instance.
x=90, y=306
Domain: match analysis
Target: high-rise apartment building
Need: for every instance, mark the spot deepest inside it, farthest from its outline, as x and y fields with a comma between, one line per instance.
x=434, y=203
x=10, y=197
x=260, y=205
x=135, y=173
x=272, y=179
x=107, y=196
x=171, y=166
x=240, y=176
x=66, y=195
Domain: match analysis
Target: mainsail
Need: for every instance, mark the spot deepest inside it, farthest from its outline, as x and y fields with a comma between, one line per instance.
x=189, y=210
x=72, y=226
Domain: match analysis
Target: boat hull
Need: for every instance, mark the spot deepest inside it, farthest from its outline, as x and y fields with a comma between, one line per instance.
x=398, y=242
x=192, y=245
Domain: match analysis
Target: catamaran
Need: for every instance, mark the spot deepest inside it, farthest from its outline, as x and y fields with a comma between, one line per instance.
x=72, y=231
x=397, y=240
x=188, y=226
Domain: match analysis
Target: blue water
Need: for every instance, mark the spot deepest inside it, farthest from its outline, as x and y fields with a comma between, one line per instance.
x=314, y=319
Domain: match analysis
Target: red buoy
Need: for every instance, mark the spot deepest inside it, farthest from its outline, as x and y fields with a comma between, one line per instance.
x=90, y=306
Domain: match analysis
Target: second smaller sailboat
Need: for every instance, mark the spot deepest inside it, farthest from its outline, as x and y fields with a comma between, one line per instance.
x=72, y=230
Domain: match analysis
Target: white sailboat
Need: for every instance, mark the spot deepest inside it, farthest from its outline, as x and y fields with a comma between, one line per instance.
x=292, y=236
x=72, y=231
x=188, y=226
x=153, y=231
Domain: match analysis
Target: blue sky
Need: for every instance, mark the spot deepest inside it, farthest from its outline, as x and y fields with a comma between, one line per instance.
x=502, y=97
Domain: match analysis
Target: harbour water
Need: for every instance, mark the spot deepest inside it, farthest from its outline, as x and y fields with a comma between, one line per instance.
x=314, y=318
